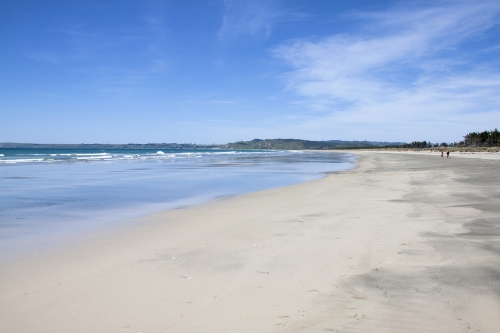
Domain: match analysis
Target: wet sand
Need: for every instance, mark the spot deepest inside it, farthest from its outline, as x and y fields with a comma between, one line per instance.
x=403, y=243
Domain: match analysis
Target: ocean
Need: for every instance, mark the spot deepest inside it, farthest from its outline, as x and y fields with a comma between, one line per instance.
x=47, y=194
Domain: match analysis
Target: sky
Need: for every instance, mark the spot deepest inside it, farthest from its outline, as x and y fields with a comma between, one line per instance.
x=218, y=71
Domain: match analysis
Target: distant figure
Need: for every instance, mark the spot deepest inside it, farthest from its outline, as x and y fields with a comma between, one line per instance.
x=448, y=154
x=442, y=154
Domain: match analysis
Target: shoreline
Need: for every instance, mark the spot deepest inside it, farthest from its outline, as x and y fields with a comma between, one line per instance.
x=487, y=155
x=400, y=243
x=487, y=151
x=63, y=200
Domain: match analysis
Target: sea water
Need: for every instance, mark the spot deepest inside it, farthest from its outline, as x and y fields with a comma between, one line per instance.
x=47, y=194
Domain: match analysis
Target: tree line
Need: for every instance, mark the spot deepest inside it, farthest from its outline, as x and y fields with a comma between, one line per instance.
x=428, y=144
x=473, y=139
x=483, y=139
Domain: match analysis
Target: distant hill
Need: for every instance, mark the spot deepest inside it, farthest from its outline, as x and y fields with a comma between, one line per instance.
x=482, y=139
x=296, y=144
x=277, y=144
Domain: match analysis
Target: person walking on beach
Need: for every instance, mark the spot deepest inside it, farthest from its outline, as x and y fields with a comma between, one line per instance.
x=448, y=154
x=442, y=153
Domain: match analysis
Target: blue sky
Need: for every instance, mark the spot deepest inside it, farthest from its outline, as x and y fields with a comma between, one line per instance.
x=221, y=71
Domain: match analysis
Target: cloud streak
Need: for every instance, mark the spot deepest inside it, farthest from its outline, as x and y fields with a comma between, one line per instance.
x=114, y=58
x=406, y=66
x=252, y=18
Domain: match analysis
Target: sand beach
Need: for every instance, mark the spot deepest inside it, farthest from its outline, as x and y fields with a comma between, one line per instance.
x=402, y=243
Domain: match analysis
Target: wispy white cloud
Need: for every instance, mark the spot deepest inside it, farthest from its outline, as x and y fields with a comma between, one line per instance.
x=252, y=18
x=114, y=58
x=157, y=42
x=221, y=102
x=406, y=67
x=215, y=101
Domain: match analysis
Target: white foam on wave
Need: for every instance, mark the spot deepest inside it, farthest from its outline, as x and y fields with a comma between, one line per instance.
x=104, y=156
x=94, y=157
x=23, y=160
x=155, y=157
x=93, y=154
x=189, y=155
x=128, y=157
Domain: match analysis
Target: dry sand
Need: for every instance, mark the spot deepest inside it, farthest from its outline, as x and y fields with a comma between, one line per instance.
x=403, y=243
x=430, y=152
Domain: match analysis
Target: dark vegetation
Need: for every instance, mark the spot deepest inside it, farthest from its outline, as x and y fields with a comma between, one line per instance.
x=483, y=139
x=473, y=139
